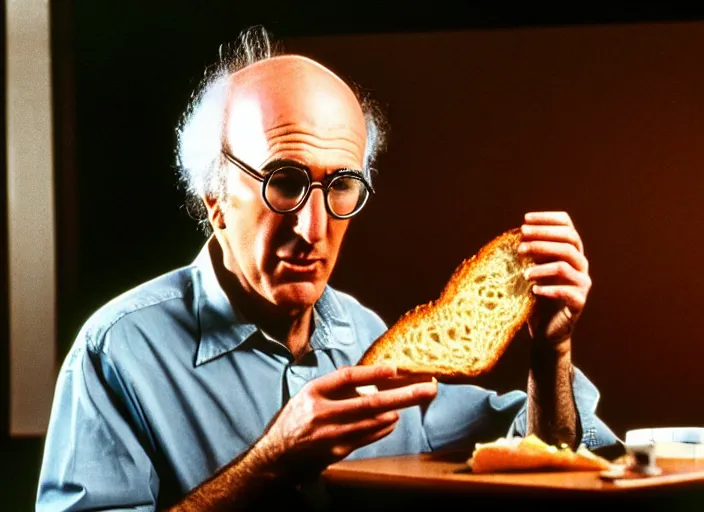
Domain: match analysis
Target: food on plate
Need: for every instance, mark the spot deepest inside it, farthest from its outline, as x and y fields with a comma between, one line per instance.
x=463, y=333
x=533, y=454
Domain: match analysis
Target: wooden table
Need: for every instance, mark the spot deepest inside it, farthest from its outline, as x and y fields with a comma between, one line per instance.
x=445, y=478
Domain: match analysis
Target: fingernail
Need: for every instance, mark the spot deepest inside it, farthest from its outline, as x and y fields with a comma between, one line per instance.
x=367, y=390
x=526, y=274
x=522, y=248
x=389, y=416
x=536, y=289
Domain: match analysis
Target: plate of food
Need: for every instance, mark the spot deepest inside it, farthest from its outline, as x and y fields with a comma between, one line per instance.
x=530, y=453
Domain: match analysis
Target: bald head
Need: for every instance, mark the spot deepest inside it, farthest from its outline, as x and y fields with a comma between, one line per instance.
x=276, y=72
x=291, y=94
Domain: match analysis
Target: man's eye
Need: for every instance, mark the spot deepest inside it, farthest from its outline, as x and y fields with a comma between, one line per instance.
x=345, y=184
x=288, y=188
x=288, y=182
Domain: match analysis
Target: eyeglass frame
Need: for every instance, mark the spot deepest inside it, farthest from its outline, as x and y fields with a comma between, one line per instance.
x=324, y=185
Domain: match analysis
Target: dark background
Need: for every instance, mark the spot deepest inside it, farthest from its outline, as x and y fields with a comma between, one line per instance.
x=493, y=111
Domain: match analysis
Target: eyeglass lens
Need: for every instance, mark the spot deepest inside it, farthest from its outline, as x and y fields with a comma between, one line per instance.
x=287, y=187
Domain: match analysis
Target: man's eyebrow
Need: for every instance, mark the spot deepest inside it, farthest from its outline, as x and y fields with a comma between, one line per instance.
x=282, y=162
x=278, y=163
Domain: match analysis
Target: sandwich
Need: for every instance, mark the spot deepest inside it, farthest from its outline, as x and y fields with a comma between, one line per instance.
x=464, y=332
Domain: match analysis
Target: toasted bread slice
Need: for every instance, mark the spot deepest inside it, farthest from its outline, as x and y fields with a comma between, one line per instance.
x=532, y=454
x=463, y=333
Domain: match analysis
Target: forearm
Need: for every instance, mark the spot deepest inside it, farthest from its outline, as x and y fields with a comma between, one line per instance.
x=241, y=485
x=552, y=413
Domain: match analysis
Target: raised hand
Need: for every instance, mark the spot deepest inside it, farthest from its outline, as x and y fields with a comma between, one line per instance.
x=561, y=274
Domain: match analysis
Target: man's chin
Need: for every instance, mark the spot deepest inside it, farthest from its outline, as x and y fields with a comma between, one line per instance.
x=298, y=295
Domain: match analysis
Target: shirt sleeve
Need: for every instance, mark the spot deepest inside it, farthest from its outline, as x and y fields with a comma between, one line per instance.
x=462, y=415
x=93, y=458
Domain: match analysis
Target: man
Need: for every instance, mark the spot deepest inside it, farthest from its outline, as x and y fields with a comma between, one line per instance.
x=212, y=385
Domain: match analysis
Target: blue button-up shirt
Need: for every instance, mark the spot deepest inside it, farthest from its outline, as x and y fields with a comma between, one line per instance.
x=168, y=383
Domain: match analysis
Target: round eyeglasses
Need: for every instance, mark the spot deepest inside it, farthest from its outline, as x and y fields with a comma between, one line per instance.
x=286, y=189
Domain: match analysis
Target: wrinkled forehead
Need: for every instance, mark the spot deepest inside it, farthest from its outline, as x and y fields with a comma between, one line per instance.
x=291, y=90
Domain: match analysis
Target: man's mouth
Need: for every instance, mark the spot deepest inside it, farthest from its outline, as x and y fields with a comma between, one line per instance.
x=302, y=265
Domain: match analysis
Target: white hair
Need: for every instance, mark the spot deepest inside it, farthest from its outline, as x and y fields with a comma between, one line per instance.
x=199, y=159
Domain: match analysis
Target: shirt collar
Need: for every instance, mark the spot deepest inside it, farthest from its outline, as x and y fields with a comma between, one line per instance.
x=224, y=328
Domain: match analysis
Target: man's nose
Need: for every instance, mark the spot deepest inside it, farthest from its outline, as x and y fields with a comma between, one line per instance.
x=312, y=218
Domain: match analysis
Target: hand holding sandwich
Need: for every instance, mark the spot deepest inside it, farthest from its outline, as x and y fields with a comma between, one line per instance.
x=535, y=274
x=561, y=275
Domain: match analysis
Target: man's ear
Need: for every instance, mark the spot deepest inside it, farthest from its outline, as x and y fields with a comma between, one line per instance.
x=215, y=215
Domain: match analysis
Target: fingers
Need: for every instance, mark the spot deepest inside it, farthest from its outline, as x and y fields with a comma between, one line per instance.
x=543, y=251
x=328, y=400
x=558, y=272
x=546, y=218
x=388, y=400
x=344, y=437
x=361, y=427
x=572, y=296
x=560, y=280
x=368, y=437
x=349, y=377
x=347, y=446
x=562, y=270
x=553, y=233
x=551, y=236
x=405, y=380
x=378, y=434
x=394, y=382
x=359, y=407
